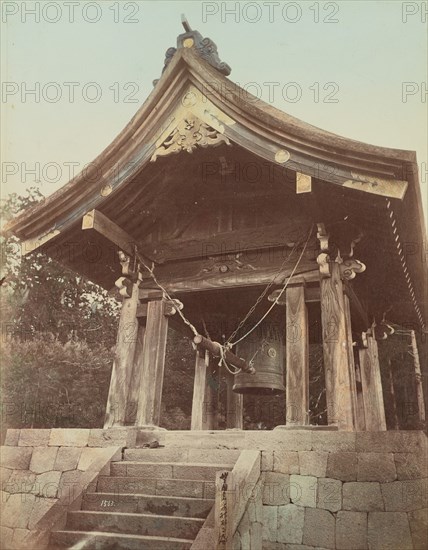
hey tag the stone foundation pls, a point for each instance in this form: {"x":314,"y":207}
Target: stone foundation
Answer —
{"x":350,"y":492}
{"x":44,"y":473}
{"x":317,"y":490}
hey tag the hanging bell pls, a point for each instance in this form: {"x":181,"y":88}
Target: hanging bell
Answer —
{"x":264,"y":349}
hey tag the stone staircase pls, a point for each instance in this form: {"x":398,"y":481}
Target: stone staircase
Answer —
{"x":153,"y":499}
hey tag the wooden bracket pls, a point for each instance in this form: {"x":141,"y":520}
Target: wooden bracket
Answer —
{"x":349,"y":268}
{"x":322,"y":236}
{"x":125,"y":286}
{"x":323,"y":259}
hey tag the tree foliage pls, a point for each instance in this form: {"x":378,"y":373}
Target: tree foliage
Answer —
{"x":58,"y":335}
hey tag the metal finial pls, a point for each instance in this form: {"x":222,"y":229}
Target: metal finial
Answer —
{"x":185,"y":23}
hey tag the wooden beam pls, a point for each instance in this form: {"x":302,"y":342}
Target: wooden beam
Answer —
{"x":121,"y":375}
{"x":303,"y":183}
{"x":152,"y":365}
{"x":297,"y":357}
{"x":336,"y":355}
{"x":385,"y":187}
{"x":215,"y":349}
{"x":211,"y":274}
{"x":374,"y":410}
{"x":284,"y":234}
{"x":100,"y":223}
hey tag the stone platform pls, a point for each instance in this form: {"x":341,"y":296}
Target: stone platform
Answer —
{"x":318,"y":490}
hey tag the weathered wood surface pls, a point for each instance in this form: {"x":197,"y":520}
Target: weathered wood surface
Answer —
{"x":234,"y":406}
{"x":351,"y":362}
{"x":374,"y":410}
{"x":210,"y":419}
{"x":231,"y":271}
{"x":152,"y":365}
{"x":361,"y":415}
{"x":97,"y":221}
{"x":358,"y":311}
{"x":303,"y":183}
{"x":297,"y":357}
{"x":335,"y":347}
{"x":200,"y":392}
{"x":205,"y":394}
{"x":121,"y":375}
{"x":134,"y":390}
{"x":418,"y":376}
{"x":285,"y":234}
{"x":312,"y":293}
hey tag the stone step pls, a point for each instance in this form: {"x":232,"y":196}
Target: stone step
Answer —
{"x":160,"y":487}
{"x":134,"y":524}
{"x":171,"y":470}
{"x":92,"y":540}
{"x":147,"y":504}
{"x":177,"y":454}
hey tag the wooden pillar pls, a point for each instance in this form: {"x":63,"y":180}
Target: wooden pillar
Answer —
{"x":351,"y":362}
{"x":199,"y":390}
{"x":395,"y":422}
{"x":374,"y":410}
{"x":151,"y":365}
{"x":418,"y":376}
{"x":234,"y":406}
{"x":134,"y":391}
{"x":211,"y":399}
{"x":204,"y":394}
{"x":297,"y":357}
{"x":336,"y":351}
{"x":121,"y":373}
{"x":361,"y":416}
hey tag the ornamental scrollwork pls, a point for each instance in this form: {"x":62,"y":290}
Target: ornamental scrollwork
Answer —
{"x":189,"y":134}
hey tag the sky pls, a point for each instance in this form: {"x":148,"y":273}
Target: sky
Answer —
{"x":74,"y":73}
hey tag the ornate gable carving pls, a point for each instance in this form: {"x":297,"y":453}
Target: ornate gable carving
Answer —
{"x":189,"y":133}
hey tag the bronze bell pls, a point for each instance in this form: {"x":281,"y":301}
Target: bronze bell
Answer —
{"x":263,"y":348}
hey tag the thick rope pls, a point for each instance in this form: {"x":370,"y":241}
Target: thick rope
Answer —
{"x":231,"y":344}
{"x":260,"y":298}
{"x":166,"y":293}
{"x":223,"y":360}
{"x":228,"y":344}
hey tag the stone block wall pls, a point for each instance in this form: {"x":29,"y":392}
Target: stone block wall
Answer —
{"x":44,"y":473}
{"x":355,"y":493}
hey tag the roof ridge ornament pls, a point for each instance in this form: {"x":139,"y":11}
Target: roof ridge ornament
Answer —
{"x":205,"y":47}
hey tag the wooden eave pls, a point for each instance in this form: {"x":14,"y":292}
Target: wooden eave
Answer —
{"x":255,"y":126}
{"x":256,"y":123}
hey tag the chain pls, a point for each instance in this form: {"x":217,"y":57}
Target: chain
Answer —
{"x":260,"y":298}
{"x":165,"y":292}
{"x":230,"y":344}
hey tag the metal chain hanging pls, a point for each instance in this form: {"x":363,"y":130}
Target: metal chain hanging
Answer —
{"x":229,"y":344}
